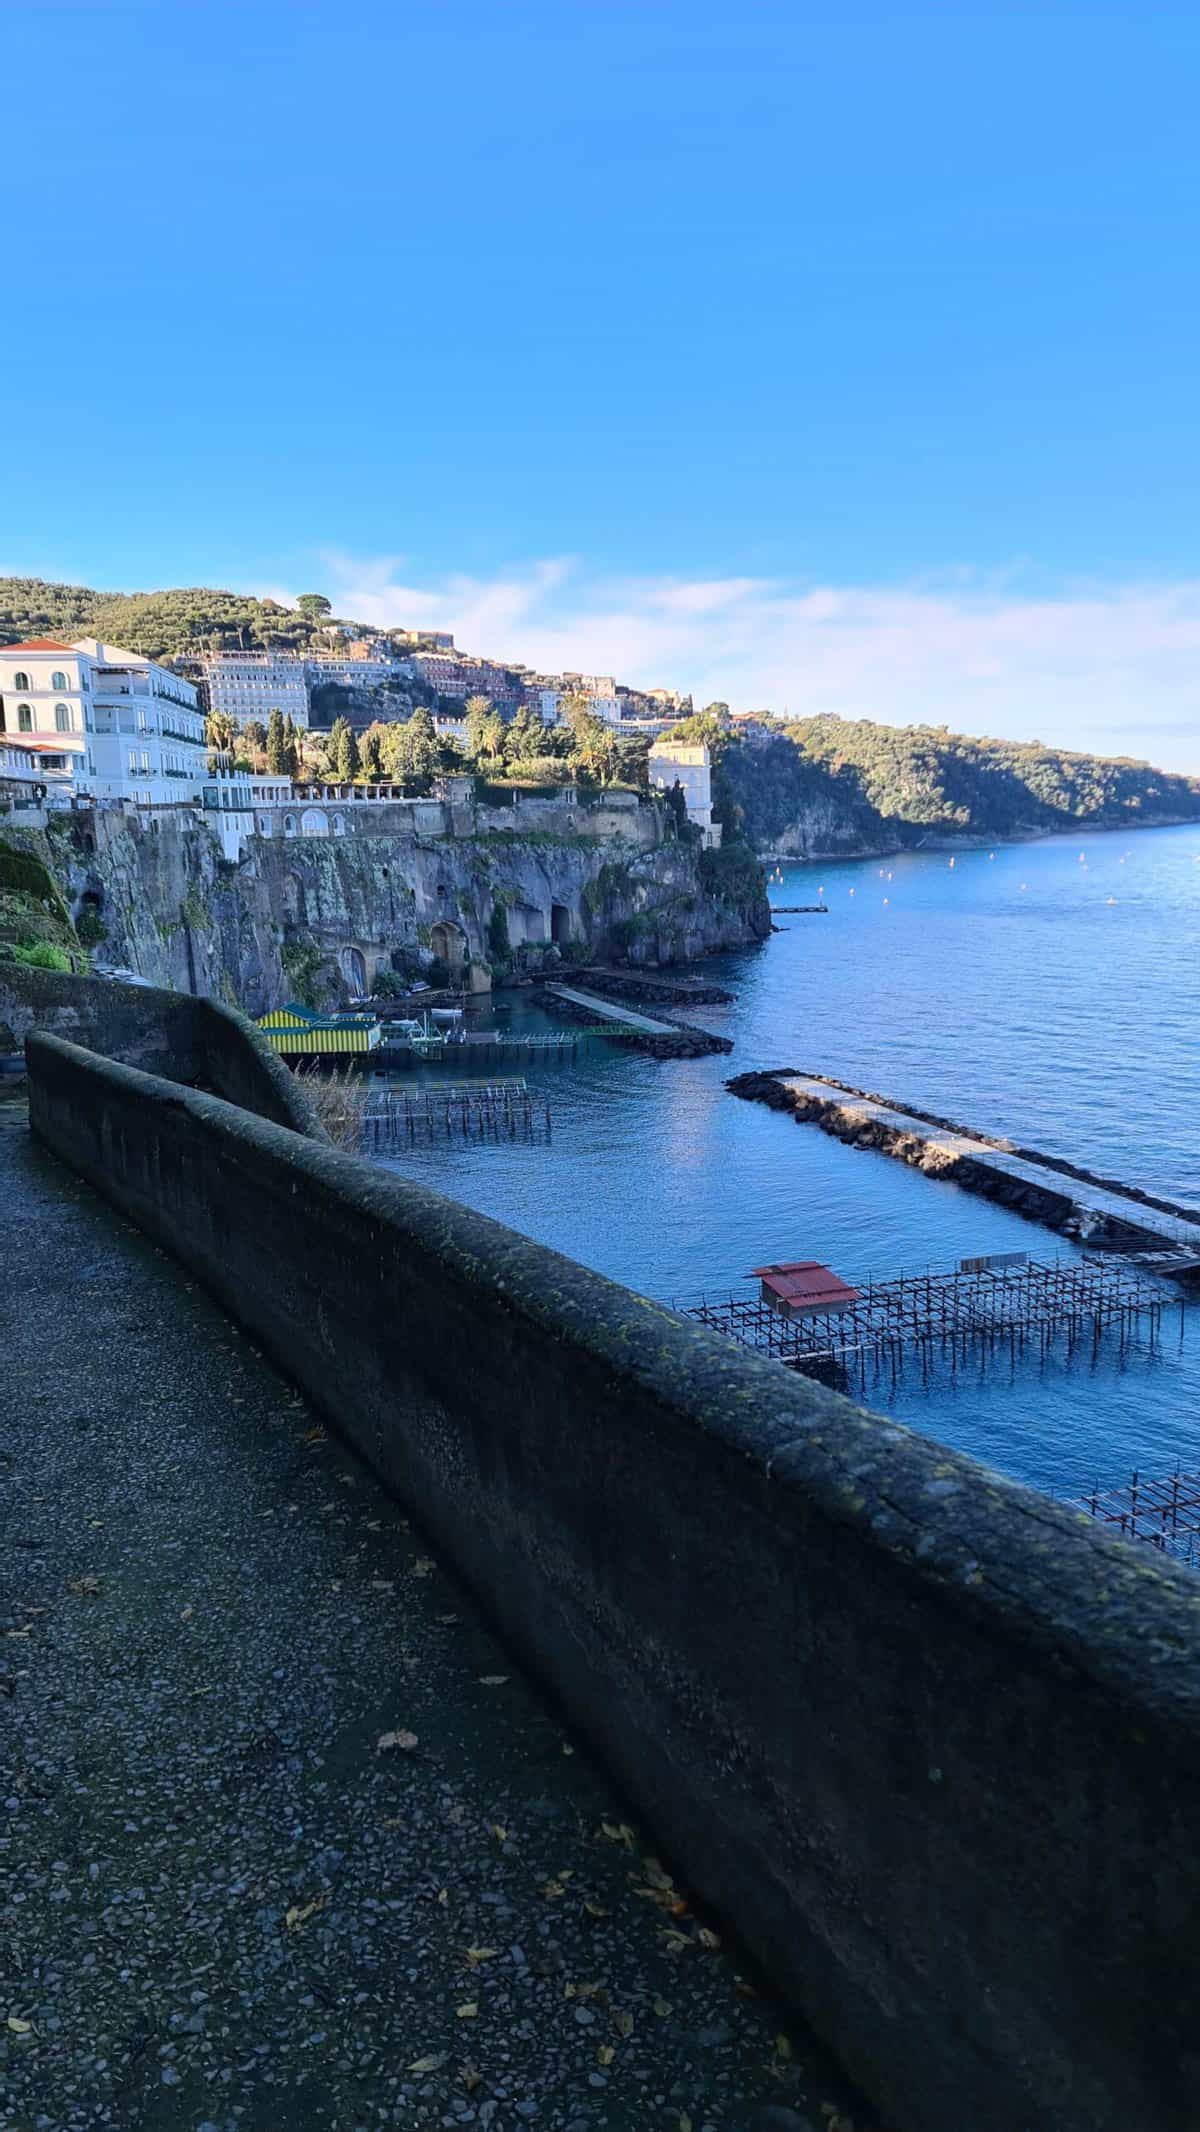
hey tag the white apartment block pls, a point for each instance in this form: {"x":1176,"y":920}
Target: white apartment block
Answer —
{"x":598,"y":690}
{"x":352,"y":672}
{"x":146,"y":737}
{"x":46,"y":708}
{"x":690,"y":766}
{"x":103,"y":723}
{"x":251,"y":684}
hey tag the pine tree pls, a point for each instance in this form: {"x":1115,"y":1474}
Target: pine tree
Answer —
{"x":347,"y":754}
{"x":423,"y":752}
{"x":276,"y":756}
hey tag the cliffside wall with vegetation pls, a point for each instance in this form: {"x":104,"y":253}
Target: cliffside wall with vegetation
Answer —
{"x":320,"y":917}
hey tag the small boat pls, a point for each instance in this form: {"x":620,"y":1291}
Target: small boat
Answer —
{"x":446,"y":1014}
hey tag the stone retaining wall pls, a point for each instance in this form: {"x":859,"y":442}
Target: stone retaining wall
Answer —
{"x":193,"y":1041}
{"x":928,"y":1741}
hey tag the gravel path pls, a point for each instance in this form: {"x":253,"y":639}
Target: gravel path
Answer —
{"x":286,"y":1840}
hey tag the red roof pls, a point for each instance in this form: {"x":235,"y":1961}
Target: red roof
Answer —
{"x":808,"y":1282}
{"x":36,"y":644}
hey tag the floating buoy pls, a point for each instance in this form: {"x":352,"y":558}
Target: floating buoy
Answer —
{"x":951,"y":862}
{"x":852,"y":891}
{"x":1112,"y":899}
{"x":885,"y":900}
{"x":1023,"y":885}
{"x":991,"y":854}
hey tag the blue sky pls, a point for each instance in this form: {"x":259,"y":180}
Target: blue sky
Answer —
{"x":836,"y":358}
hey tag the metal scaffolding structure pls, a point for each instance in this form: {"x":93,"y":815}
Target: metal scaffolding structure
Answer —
{"x":987,"y":1314}
{"x":1163,"y":1513}
{"x":480,"y":1111}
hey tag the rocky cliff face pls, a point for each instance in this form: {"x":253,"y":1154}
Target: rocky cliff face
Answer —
{"x":321,"y":917}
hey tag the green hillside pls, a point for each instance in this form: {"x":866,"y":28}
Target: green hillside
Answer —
{"x":160,"y":625}
{"x":860,"y":785}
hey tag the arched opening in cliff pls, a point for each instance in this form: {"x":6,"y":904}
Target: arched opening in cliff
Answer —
{"x":292,"y":890}
{"x":449,"y":943}
{"x":354,"y":970}
{"x":560,"y":924}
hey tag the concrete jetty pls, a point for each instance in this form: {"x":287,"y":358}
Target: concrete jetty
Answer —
{"x":1059,"y":1194}
{"x":605,"y":1011}
{"x":638,"y":1031}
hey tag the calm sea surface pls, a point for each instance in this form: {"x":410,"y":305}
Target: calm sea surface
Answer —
{"x":1049,"y":991}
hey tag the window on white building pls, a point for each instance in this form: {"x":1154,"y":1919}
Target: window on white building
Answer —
{"x":62,"y":718}
{"x":24,"y":713}
{"x":21,"y":681}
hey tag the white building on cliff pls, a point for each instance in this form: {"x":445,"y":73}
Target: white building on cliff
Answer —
{"x":103,"y":723}
{"x":251,"y":684}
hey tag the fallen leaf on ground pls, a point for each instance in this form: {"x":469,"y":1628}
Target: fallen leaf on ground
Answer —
{"x":187,"y":1613}
{"x":623,"y":2023}
{"x":707,"y":1938}
{"x":406,"y":1740}
{"x":429,"y":2064}
{"x":19,"y":2027}
{"x":469,"y":2011}
{"x":500,"y":1833}
{"x":618,"y":1832}
{"x":685,"y":2122}
{"x":475,"y":1955}
{"x":605,"y":2054}
{"x":301,"y":1912}
{"x":662,"y":2008}
{"x":783,"y":2047}
{"x":493,"y":1680}
{"x":470,"y":2076}
{"x":424,"y":1566}
{"x":85,"y":1587}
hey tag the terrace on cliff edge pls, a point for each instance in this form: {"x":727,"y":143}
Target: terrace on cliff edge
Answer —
{"x":442,"y":1687}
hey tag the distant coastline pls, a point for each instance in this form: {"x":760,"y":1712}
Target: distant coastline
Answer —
{"x":940,"y":840}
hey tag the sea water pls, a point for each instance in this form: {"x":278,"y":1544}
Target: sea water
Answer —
{"x":1049,"y":992}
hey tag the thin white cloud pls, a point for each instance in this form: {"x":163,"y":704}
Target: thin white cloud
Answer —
{"x":1112,"y":667}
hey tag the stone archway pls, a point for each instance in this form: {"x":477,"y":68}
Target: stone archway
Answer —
{"x":314,"y":822}
{"x":560,"y":924}
{"x":354,"y":970}
{"x":449,"y":943}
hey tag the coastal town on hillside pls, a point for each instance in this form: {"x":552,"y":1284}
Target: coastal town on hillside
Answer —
{"x":233,"y":737}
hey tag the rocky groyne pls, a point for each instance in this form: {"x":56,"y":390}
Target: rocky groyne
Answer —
{"x":961,"y":1157}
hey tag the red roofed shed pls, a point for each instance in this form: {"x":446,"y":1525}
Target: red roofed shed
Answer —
{"x":804,"y":1289}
